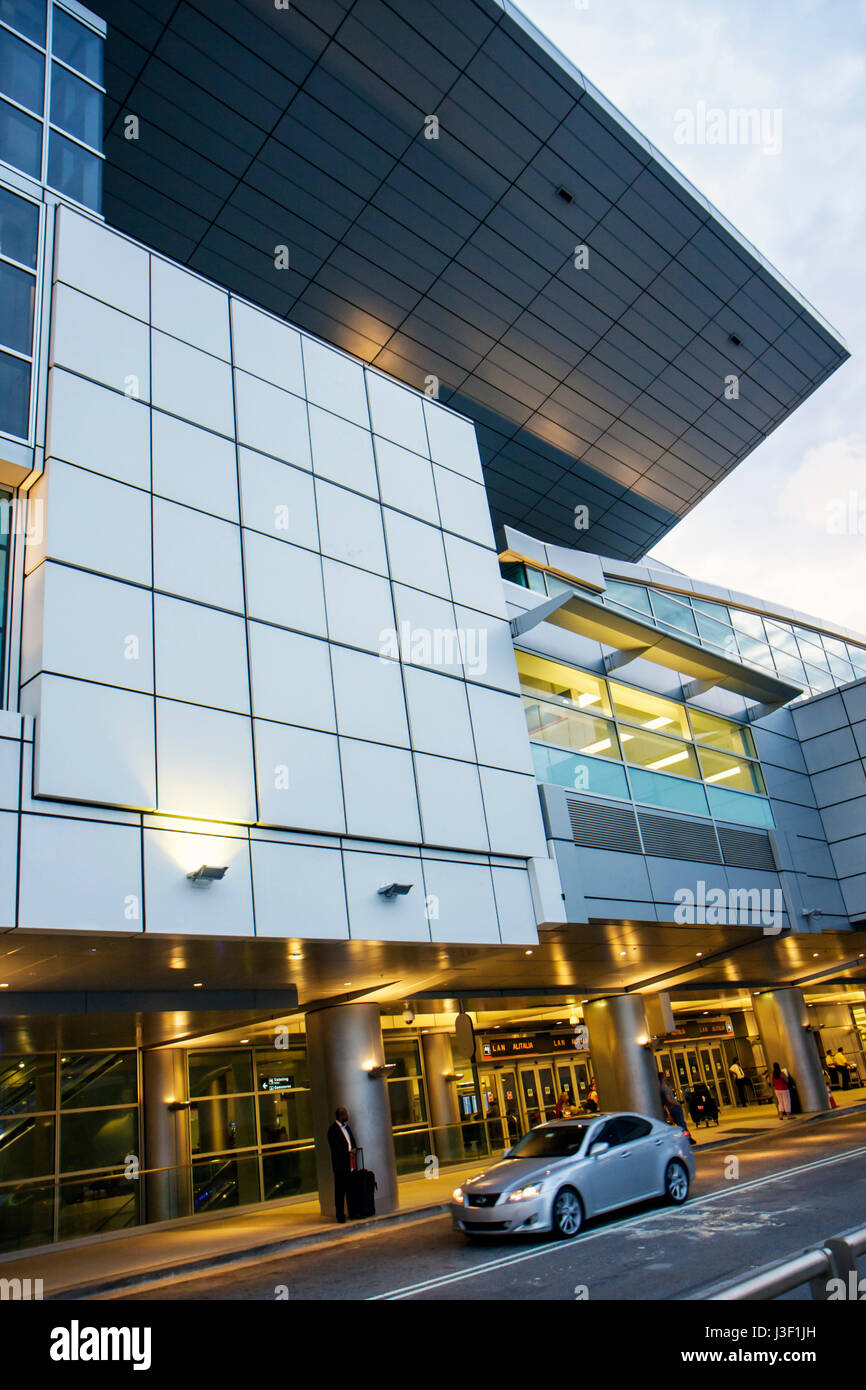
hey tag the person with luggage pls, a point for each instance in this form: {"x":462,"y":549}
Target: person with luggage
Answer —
{"x":739,"y":1079}
{"x":342,"y":1144}
{"x":783,"y":1093}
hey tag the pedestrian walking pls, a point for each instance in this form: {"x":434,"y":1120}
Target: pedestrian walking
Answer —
{"x":783,"y":1094}
{"x":343,"y":1148}
{"x":739,"y":1079}
{"x":671,"y":1104}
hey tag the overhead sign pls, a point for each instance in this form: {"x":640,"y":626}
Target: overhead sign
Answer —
{"x":703,"y":1028}
{"x":277,"y":1083}
{"x":538,"y":1044}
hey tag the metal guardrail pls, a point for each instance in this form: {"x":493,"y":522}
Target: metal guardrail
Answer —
{"x":819,"y":1266}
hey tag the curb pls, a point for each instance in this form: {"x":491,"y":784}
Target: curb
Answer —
{"x":160,"y":1274}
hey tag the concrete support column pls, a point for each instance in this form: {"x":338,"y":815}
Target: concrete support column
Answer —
{"x":783,"y":1023}
{"x":168,"y":1192}
{"x":343,"y":1043}
{"x":442,"y":1095}
{"x":622,"y":1063}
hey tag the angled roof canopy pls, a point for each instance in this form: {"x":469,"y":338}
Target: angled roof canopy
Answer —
{"x":454,"y":257}
{"x":631,"y":638}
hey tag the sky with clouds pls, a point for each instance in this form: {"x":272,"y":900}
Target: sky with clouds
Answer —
{"x":790,"y":522}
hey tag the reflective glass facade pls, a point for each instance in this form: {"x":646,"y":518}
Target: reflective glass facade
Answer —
{"x":19,"y":254}
{"x":672,"y":755}
{"x":800,"y":655}
{"x":51,"y":98}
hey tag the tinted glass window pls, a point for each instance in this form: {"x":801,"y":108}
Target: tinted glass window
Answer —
{"x":20,"y":140}
{"x":27,"y":16}
{"x":559,"y":1141}
{"x":73,"y":171}
{"x":19,"y":226}
{"x":17,"y":288}
{"x":14,"y":395}
{"x":98,"y":1078}
{"x":78,"y":46}
{"x":76,"y":106}
{"x":608,"y":1134}
{"x":632,"y":1127}
{"x":22,"y":72}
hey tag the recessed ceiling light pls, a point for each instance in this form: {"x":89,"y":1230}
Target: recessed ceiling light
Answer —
{"x":346,"y":984}
{"x":623,"y":953}
{"x":243,"y":1040}
{"x":4,"y":984}
{"x":527,"y":953}
{"x":815,"y":955}
{"x":699,"y":953}
{"x":197,"y":984}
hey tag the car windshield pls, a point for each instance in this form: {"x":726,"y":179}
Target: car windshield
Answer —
{"x":559,"y":1141}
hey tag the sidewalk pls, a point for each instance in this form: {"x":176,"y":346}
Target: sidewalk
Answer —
{"x":164,"y":1252}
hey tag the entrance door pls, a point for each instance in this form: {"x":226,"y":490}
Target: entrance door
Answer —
{"x":546,"y":1093}
{"x":722,"y":1076}
{"x":531,"y":1098}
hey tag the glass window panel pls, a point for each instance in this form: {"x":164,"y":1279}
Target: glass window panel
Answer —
{"x":654,"y":789}
{"x":14,"y":395}
{"x":26,"y":1084}
{"x":659,"y":754}
{"x":219,"y":1183}
{"x":515,"y":572}
{"x":77,"y":45}
{"x":842,"y":671}
{"x":834,"y":645}
{"x":97,"y":1139}
{"x":75,"y":172}
{"x":781,"y":637}
{"x":407,"y":1102}
{"x":736,"y":773}
{"x":76,"y":106}
{"x":750,"y":623}
{"x":758,"y":653}
{"x":818,"y":679}
{"x":650,"y":711}
{"x":288,"y":1172}
{"x":551,"y":678}
{"x":712,"y":610}
{"x":569,"y":729}
{"x":93,"y":1205}
{"x":26,"y":1147}
{"x":220,"y":1073}
{"x":738,"y":806}
{"x":721,"y":733}
{"x":280,"y":1069}
{"x":27,"y":16}
{"x":20,"y":140}
{"x":670,"y":611}
{"x":284,"y":1116}
{"x":711,"y":631}
{"x":98,"y":1078}
{"x":555,"y":585}
{"x":22,"y":72}
{"x":228,"y":1122}
{"x":790,"y":667}
{"x":19,"y":228}
{"x":26,"y":1215}
{"x":404,"y":1053}
{"x":579,"y":773}
{"x":17,"y":293}
{"x":629,"y":595}
{"x":857,"y":657}
{"x":814,"y":655}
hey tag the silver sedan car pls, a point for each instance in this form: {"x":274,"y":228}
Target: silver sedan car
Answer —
{"x":562,"y":1173}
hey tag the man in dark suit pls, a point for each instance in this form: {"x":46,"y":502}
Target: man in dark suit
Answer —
{"x":342,"y":1145}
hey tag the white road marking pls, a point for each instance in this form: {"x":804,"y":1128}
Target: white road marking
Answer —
{"x":442,"y":1280}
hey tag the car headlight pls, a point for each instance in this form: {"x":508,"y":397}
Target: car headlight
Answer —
{"x":457,"y":1194}
{"x":523,"y":1194}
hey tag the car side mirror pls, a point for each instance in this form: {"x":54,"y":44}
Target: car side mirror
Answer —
{"x":600,"y":1147}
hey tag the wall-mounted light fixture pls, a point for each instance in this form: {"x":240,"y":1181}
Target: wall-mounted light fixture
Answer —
{"x":179,"y":1104}
{"x":207,"y":874}
{"x":452,"y":1075}
{"x":375,"y":1073}
{"x":394,"y":890}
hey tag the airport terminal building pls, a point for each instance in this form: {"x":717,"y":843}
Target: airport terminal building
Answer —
{"x":353,"y":357}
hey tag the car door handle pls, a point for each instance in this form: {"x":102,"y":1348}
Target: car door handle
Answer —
{"x":659,"y":1143}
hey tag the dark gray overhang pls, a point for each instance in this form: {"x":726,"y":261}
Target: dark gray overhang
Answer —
{"x":304,"y":125}
{"x":631,"y":638}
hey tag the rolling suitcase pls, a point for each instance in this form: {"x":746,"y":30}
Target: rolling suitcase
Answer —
{"x":361,"y":1190}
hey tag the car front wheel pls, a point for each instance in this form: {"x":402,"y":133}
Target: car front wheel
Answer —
{"x":676,"y":1183}
{"x":567,"y":1214}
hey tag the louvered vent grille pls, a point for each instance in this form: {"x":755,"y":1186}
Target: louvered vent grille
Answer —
{"x":601,"y":825}
{"x":669,"y":837}
{"x":746,"y":849}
